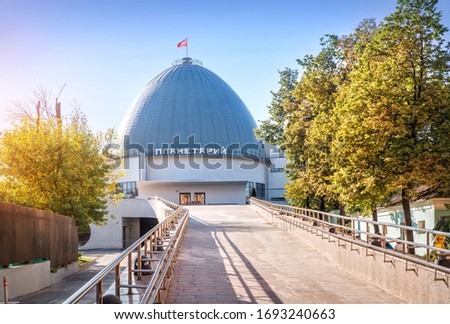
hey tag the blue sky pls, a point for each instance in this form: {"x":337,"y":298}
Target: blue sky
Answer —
{"x":106,"y":51}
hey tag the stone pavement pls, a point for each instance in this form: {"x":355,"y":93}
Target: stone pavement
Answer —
{"x":231,"y":255}
{"x":59,"y":292}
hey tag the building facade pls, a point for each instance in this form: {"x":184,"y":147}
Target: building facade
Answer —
{"x":188,"y":138}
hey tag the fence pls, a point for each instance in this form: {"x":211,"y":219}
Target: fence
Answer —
{"x":360,"y":231}
{"x":357,"y":247}
{"x":154,"y":255}
{"x":28,"y":234}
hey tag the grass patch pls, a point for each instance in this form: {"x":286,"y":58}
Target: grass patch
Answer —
{"x":83,"y":260}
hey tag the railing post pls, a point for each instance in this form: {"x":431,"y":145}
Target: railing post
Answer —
{"x":367,"y":233}
{"x":404,"y":238}
{"x":99,"y":293}
{"x":5,"y":290}
{"x":117,"y":287}
{"x":130,"y":272}
{"x":139,"y":261}
{"x":353,"y":229}
{"x":428,"y":247}
{"x":384,"y":243}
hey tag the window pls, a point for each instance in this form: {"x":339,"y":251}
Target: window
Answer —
{"x":128,"y":189}
{"x":257,"y":190}
{"x":421,"y":224}
{"x":276,"y":153}
{"x":250,"y":189}
{"x":260,"y":190}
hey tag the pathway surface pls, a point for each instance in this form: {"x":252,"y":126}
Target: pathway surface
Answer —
{"x":59,"y":292}
{"x":231,"y":255}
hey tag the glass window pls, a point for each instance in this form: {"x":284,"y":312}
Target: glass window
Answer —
{"x":129,"y":189}
{"x":250,"y":189}
{"x":277,"y":170}
{"x":260,"y":190}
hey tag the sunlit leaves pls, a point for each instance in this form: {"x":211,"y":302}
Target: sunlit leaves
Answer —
{"x":56,"y":165}
{"x":370,"y":115}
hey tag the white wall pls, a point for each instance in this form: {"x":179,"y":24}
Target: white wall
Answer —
{"x":28,"y":278}
{"x":161,"y":210}
{"x":131,"y":169}
{"x":198,"y":168}
{"x":171,"y":168}
{"x":215,"y":192}
{"x":276,"y":180}
{"x":109,"y":236}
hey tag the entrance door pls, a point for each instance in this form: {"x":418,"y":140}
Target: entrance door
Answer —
{"x":126,"y":236}
{"x":199,"y":198}
{"x":185,"y":198}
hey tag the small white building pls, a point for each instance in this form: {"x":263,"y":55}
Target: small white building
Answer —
{"x":424,"y":214}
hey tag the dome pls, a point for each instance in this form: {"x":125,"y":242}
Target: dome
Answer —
{"x":188,"y":106}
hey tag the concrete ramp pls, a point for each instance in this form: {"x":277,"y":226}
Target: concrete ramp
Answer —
{"x":232,"y":255}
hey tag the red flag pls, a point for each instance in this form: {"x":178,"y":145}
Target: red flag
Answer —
{"x":183,"y":43}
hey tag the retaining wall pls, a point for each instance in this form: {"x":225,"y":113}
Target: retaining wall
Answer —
{"x":28,"y":278}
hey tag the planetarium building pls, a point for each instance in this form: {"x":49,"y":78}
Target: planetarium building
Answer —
{"x":190,"y":139}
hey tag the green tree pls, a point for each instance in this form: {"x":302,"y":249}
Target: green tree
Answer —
{"x":272,"y":130}
{"x":311,"y":126}
{"x":399,"y":97}
{"x":57,"y":164}
{"x":308,"y":130}
{"x":359,"y":175}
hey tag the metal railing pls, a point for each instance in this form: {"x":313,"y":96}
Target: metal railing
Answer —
{"x":160,"y":245}
{"x":358,"y":231}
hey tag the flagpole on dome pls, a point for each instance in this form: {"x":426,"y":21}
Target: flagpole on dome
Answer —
{"x":184,"y":43}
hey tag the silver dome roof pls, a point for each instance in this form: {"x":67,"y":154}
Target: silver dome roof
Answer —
{"x":189,"y":106}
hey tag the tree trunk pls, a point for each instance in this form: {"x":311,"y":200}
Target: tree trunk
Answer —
{"x":408,"y":220}
{"x":376,"y":227}
{"x":322,"y":203}
{"x":307,"y":203}
{"x":342,"y":213}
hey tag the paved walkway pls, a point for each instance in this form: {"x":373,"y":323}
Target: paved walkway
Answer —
{"x":59,"y":292}
{"x":231,"y":255}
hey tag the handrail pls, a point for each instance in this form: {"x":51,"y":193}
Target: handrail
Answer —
{"x":173,"y":226}
{"x":314,"y":220}
{"x":426,"y":230}
{"x":151,"y":293}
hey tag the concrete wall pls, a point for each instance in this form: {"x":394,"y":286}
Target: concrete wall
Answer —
{"x":28,"y":278}
{"x":215,"y":192}
{"x":389,"y":273}
{"x":132,"y":169}
{"x":161,"y":210}
{"x":110,"y":235}
{"x":193,"y":168}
